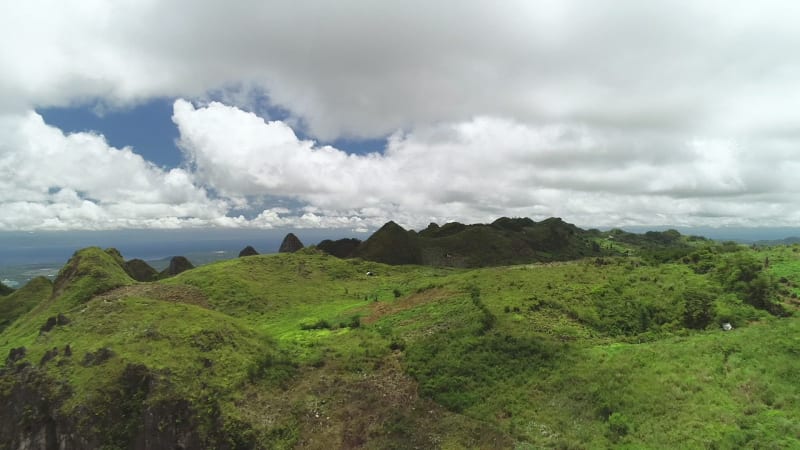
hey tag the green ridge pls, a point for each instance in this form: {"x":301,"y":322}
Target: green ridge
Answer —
{"x":620,"y":349}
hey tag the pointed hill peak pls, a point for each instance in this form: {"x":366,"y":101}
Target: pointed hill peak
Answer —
{"x":177,"y":265}
{"x":248,"y":251}
{"x":390,"y":226}
{"x":290,"y":244}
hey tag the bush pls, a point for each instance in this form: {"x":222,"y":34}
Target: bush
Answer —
{"x":619,"y":424}
{"x":315,"y":325}
{"x":743,"y":274}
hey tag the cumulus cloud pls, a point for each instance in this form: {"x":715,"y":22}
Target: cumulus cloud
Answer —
{"x":486,"y":167}
{"x":49,"y":180}
{"x":606,"y":112}
{"x":367,"y":69}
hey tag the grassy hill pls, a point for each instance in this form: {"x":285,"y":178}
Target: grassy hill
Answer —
{"x":19,"y":302}
{"x":505,"y":241}
{"x":306,"y":350}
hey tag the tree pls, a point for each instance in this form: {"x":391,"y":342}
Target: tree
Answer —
{"x":743,"y":274}
{"x":698,"y":310}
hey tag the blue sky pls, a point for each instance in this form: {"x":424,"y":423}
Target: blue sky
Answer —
{"x":148,"y":128}
{"x":613,"y":113}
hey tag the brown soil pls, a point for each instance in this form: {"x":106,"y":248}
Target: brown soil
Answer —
{"x":176,"y":294}
{"x":381,"y":309}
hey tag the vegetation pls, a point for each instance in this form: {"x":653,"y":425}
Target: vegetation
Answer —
{"x":23,"y":300}
{"x":619,"y":346}
{"x":5,"y":290}
{"x":505,"y":241}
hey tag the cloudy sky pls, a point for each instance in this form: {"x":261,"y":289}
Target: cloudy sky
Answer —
{"x":120,"y":114}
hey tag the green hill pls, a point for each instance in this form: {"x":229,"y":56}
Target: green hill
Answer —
{"x":505,"y":241}
{"x":5,"y":290}
{"x":306,"y":350}
{"x":23,"y":300}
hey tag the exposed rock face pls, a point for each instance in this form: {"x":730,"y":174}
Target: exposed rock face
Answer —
{"x":250,"y":251}
{"x":140,"y":270}
{"x":31,"y":416}
{"x":290,"y":244}
{"x":177,"y":265}
{"x":52,"y":322}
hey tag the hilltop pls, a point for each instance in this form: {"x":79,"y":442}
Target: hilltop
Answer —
{"x":615,"y":340}
{"x":505,"y":241}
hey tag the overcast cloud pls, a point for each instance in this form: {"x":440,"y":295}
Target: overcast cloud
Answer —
{"x":604,"y":113}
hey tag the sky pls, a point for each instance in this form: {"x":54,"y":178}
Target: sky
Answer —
{"x":140,"y":114}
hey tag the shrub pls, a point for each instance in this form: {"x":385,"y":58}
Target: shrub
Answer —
{"x":743,"y":274}
{"x":619,"y":424}
{"x":315,"y":325}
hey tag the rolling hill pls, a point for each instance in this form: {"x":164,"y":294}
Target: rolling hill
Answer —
{"x":613,"y":341}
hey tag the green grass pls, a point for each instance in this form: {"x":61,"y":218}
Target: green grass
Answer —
{"x":23,"y":300}
{"x":277,"y":351}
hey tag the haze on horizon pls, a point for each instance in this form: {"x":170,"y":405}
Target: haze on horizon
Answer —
{"x":607,"y":113}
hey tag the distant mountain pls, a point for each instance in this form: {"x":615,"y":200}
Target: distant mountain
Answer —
{"x":248,"y":251}
{"x":177,"y":265}
{"x":505,"y":241}
{"x":391,"y":244}
{"x":785,"y":241}
{"x":341,"y":248}
{"x":140,"y":270}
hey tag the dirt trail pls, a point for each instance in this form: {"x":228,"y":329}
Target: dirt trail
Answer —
{"x":168,"y":293}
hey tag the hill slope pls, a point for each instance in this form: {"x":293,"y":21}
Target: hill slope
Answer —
{"x":23,"y":300}
{"x":305,"y":350}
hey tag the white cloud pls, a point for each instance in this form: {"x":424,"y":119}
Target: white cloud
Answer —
{"x":606,"y":112}
{"x":49,"y":180}
{"x":486,"y":167}
{"x":367,"y":69}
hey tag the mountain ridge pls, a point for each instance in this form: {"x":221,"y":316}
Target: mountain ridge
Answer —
{"x":304,"y":349}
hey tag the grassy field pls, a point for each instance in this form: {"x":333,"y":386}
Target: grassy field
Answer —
{"x":306,"y":350}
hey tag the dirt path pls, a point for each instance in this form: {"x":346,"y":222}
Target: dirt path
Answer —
{"x":167,"y":293}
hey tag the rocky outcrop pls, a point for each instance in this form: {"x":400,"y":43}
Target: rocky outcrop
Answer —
{"x":128,"y":415}
{"x":177,"y":265}
{"x":53,"y":322}
{"x":248,"y":251}
{"x":290,"y":244}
